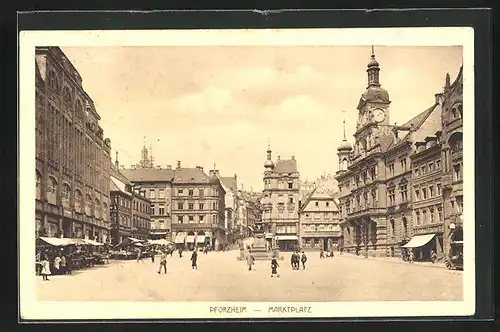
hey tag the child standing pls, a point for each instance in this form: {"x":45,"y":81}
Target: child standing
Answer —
{"x":45,"y":268}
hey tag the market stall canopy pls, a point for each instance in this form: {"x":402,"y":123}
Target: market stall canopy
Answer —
{"x":418,"y":241}
{"x":92,"y":242}
{"x":190,"y":239}
{"x":137,"y":244}
{"x":60,"y":242}
{"x":162,"y":242}
{"x":200,"y":239}
{"x":133,"y":239}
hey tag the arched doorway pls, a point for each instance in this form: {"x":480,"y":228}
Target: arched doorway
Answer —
{"x":190,"y":240}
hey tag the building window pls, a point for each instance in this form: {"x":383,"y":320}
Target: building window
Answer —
{"x":67,"y":95}
{"x":191,"y":219}
{"x":457,"y":172}
{"x":290,"y":185}
{"x":440,"y":214}
{"x":180,"y":192}
{"x":424,"y":217}
{"x":65,"y":195}
{"x":162,"y":193}
{"x":180,"y":206}
{"x":404,"y":193}
{"x":53,"y":80}
{"x":403,"y":165}
{"x":327,"y":204}
{"x":162,"y":209}
{"x":190,"y":206}
{"x":88,"y":204}
{"x":391,"y":170}
{"x":52,"y":191}
{"x":190,"y":192}
{"x":431,"y":191}
{"x":460,"y":203}
{"x":417,"y":194}
{"x":38,"y":186}
{"x":316,"y":203}
{"x":431,"y":167}
{"x":78,"y":201}
{"x":180,"y":219}
{"x":202,"y":218}
{"x":290,"y":200}
{"x":438,"y":187}
{"x":392,"y":197}
{"x":214,"y":206}
{"x":393,"y":228}
{"x":417,"y":172}
{"x":422,"y":170}
{"x":417,"y":217}
{"x":424,"y":193}
{"x":201,"y":206}
{"x":151,"y":193}
{"x":438,"y":164}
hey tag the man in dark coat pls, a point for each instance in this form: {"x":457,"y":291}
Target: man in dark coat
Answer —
{"x":274,"y":267}
{"x":194,"y":258}
{"x":304,"y":260}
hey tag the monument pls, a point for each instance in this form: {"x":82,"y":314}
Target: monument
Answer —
{"x":260,"y":248}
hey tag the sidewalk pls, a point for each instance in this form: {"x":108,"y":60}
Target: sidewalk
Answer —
{"x":395,"y":260}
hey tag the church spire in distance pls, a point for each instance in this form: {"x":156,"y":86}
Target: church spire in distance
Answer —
{"x":373,"y":70}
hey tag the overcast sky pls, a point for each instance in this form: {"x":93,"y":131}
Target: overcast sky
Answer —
{"x":221,"y":104}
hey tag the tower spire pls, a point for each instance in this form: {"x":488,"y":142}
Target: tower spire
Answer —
{"x":373,"y":70}
{"x":373,"y":52}
{"x":344,"y":130}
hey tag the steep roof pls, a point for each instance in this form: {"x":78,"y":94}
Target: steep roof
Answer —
{"x":286,"y":166}
{"x":318,"y":193}
{"x":194,"y":176}
{"x":229,"y":182}
{"x":119,"y":175}
{"x":149,"y":174}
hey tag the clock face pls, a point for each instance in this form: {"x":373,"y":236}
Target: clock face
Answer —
{"x":378,"y":115}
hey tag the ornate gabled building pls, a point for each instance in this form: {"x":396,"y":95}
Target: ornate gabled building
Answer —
{"x":280,"y":202}
{"x":390,"y":183}
{"x":319,"y":221}
{"x":451,"y":140}
{"x":72,"y":157}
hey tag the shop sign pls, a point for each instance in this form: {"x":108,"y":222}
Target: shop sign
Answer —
{"x":428,"y":230}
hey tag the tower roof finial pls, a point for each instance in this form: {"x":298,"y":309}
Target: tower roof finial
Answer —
{"x":344,"y":129}
{"x":373,"y":52}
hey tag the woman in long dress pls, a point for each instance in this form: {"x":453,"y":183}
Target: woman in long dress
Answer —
{"x":45,"y":268}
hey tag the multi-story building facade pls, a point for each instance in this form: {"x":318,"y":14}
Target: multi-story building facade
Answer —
{"x":230,"y":185}
{"x":187,"y":205}
{"x":451,"y":139}
{"x":72,"y":157}
{"x":121,"y":193}
{"x":155,"y":184}
{"x":280,"y":204}
{"x":198,"y":208}
{"x":248,"y":212}
{"x":319,"y":221}
{"x":427,"y":197}
{"x":141,"y":219}
{"x":381,"y":201}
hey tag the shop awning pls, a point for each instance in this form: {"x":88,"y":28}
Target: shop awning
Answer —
{"x":287,"y":237}
{"x":190,"y":239}
{"x":419,"y":240}
{"x":200,"y":239}
{"x":179,"y":238}
{"x":163,"y":242}
{"x":59,"y":242}
{"x":92,"y":242}
{"x":133,"y":239}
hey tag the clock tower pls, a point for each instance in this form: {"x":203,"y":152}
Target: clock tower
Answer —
{"x":373,"y":110}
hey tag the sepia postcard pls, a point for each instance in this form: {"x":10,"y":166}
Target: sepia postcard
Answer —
{"x":265,"y":173}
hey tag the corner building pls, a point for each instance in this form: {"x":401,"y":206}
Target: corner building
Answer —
{"x":72,"y":157}
{"x":280,"y":202}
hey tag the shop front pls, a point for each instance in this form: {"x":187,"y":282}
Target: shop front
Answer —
{"x":424,"y":245}
{"x":190,"y":240}
{"x":180,"y":240}
{"x":287,"y":242}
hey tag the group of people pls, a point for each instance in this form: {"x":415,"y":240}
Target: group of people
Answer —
{"x":323,"y":254}
{"x":163,"y":260}
{"x":60,"y":265}
{"x":296,"y":259}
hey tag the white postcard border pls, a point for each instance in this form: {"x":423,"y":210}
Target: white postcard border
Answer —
{"x":30,"y":308}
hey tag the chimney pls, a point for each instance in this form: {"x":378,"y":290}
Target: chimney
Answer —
{"x":117,"y":164}
{"x":178,"y":164}
{"x":169,"y":167}
{"x":235,"y":177}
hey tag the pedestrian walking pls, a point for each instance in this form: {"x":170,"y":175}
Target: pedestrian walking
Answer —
{"x":321,"y":254}
{"x":163,"y":262}
{"x":63,"y":264}
{"x":194,"y":258}
{"x":250,"y":261}
{"x":152,"y":253}
{"x":171,"y":251}
{"x":139,"y":255}
{"x":331,"y":253}
{"x":57,"y":264}
{"x":303,"y":259}
{"x":410,"y":257}
{"x":433,"y":256}
{"x":45,"y":268}
{"x":180,"y":252}
{"x":274,"y":267}
{"x":292,"y":260}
